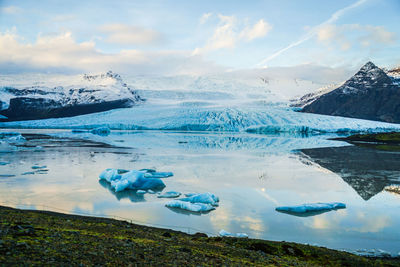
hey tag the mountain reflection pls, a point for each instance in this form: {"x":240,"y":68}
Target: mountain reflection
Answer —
{"x":365,"y":169}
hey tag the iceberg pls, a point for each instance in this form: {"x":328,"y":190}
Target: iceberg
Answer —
{"x":12,"y":137}
{"x":311,"y":208}
{"x":228,"y":234}
{"x":38,"y":167}
{"x":120,"y":179}
{"x":194,"y":207}
{"x":170,"y":194}
{"x":205,"y":198}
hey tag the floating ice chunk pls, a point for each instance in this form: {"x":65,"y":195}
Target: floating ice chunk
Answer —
{"x":158,"y":174}
{"x":123,"y":179}
{"x":141,"y":192}
{"x":150,"y":191}
{"x":112,"y":174}
{"x":373,"y":253}
{"x":313,"y":207}
{"x":103,"y":131}
{"x":2,"y":163}
{"x":195,"y":207}
{"x":12,"y":137}
{"x":190,"y":194}
{"x":206,"y":198}
{"x":26,"y":173}
{"x":225,"y":233}
{"x":35,"y":167}
{"x":6,"y":175}
{"x":170,"y":194}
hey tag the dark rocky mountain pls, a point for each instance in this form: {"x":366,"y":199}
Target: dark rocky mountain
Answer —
{"x":367,"y":170}
{"x":95,"y":93}
{"x":370,"y":94}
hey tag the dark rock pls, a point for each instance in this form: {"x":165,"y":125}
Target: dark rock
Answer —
{"x":370,"y":94}
{"x":291,"y":250}
{"x":197,"y":235}
{"x":263,"y":247}
{"x":25,"y":108}
{"x":166,"y":234}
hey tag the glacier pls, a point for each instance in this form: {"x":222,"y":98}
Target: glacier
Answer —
{"x":216,"y":104}
{"x":251,"y":118}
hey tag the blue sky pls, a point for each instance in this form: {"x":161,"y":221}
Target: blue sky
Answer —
{"x":193,"y":37}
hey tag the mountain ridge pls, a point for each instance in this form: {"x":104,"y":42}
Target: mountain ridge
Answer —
{"x":369,"y":94}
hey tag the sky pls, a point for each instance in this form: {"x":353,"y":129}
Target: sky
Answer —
{"x":165,"y":37}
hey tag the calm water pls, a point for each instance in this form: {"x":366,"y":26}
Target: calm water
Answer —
{"x":252,"y":174}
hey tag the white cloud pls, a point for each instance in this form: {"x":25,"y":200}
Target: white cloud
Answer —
{"x":130,"y":35}
{"x":230,"y":31}
{"x":260,"y":29}
{"x":63,"y":54}
{"x":10,"y":10}
{"x":347,"y":35}
{"x":312,"y":31}
{"x":204,"y":18}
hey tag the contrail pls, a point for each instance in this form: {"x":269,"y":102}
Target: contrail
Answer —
{"x":312,"y":32}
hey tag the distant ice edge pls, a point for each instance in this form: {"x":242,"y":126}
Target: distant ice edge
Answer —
{"x":262,"y":120}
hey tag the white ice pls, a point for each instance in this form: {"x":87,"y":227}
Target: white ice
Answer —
{"x":138,"y":180}
{"x":205,"y":198}
{"x":169,"y":194}
{"x":194,"y":207}
{"x":313,"y":207}
{"x":228,"y":234}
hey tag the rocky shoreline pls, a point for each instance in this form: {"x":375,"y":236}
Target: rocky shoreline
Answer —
{"x":29,"y":237}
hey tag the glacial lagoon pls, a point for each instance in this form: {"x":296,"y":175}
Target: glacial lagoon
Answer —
{"x":252,"y":174}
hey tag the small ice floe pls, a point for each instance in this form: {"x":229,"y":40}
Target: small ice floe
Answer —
{"x":206,"y":198}
{"x":36,"y":167}
{"x":373,"y":253}
{"x":169,"y":194}
{"x":12,"y":137}
{"x":196,"y":203}
{"x":311,"y":209}
{"x":141,"y":192}
{"x":195,"y":207}
{"x":137,"y":180}
{"x":2,"y":163}
{"x":150,"y":191}
{"x":27,"y":173}
{"x":103,"y":131}
{"x":393,"y":188}
{"x":6,"y":175}
{"x":228,"y":234}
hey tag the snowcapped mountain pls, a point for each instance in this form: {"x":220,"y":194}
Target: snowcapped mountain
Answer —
{"x":252,"y":102}
{"x":370,"y":94}
{"x":65,"y":96}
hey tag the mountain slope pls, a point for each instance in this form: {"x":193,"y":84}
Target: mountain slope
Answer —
{"x":370,"y":94}
{"x":89,"y":94}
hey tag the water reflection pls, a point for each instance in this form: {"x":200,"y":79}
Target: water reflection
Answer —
{"x":129,"y":194}
{"x":365,"y":169}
